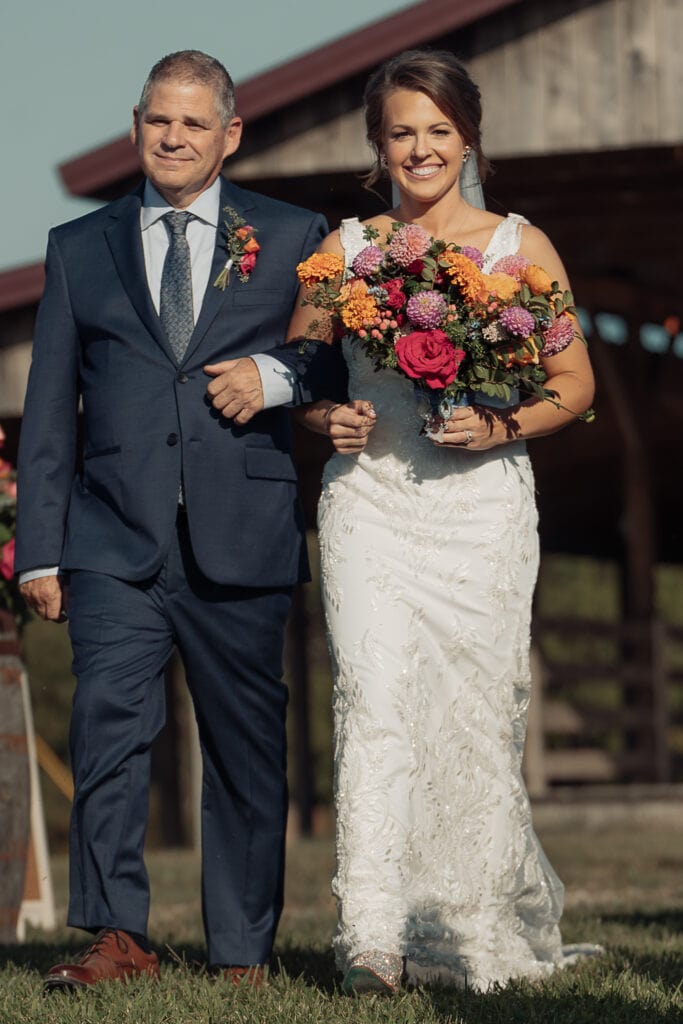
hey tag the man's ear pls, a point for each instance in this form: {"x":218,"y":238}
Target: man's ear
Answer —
{"x":233,"y":136}
{"x":134,"y":127}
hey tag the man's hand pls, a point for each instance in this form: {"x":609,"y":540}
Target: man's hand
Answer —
{"x":48,"y":596}
{"x":236,"y":389}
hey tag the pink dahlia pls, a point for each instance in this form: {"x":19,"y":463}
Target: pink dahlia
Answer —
{"x":409,"y":243}
{"x":512,"y":265}
{"x":368,"y":261}
{"x":426,"y":309}
{"x":559,"y":336}
{"x":473,"y":254}
{"x":517,"y":321}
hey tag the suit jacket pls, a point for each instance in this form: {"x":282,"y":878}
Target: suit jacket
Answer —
{"x":146,"y":420}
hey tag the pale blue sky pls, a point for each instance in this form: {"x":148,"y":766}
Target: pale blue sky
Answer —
{"x":71,"y":71}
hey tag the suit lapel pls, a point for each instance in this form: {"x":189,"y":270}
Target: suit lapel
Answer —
{"x":216,"y":298}
{"x":125,"y":242}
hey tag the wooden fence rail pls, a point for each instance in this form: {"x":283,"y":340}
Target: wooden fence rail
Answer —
{"x":607,"y":703}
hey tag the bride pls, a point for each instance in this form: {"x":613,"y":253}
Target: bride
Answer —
{"x":429,"y":560}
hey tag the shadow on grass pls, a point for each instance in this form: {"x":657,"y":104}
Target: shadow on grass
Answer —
{"x":665,"y":920}
{"x":513,"y":1007}
{"x":316,"y":968}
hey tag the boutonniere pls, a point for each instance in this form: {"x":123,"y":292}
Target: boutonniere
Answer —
{"x":241,"y":247}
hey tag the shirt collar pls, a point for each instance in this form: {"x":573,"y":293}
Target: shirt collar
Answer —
{"x":206,"y":206}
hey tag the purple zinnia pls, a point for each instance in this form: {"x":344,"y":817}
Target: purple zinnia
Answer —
{"x":426,"y":309}
{"x":473,"y":254}
{"x":517,"y":321}
{"x":409,"y":243}
{"x":368,"y":261}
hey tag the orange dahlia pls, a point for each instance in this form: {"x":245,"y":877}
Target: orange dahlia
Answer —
{"x":462,"y":272}
{"x":321,"y":266}
{"x":538,"y":280}
{"x":501,"y":285}
{"x":357,"y":307}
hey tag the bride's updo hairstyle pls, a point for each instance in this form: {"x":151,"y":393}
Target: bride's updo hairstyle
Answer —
{"x":439,"y":75}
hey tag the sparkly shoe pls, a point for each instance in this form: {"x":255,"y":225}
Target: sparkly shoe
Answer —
{"x":373,"y":971}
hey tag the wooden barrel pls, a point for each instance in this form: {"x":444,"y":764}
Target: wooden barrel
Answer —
{"x":14,"y":783}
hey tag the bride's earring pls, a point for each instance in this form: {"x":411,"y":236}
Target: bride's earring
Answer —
{"x":466,"y":153}
{"x":383,"y":161}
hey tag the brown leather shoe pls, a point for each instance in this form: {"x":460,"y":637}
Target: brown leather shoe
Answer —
{"x":113,"y":955}
{"x":253,"y":976}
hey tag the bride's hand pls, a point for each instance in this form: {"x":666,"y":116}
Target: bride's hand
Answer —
{"x":348,"y":425}
{"x":476,"y":428}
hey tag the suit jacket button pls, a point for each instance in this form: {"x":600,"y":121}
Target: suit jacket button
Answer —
{"x":182,"y":378}
{"x":171,"y":440}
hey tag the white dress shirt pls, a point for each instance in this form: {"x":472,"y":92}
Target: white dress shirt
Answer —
{"x":276,"y":381}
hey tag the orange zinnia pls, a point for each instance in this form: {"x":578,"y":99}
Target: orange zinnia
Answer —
{"x":357,"y":307}
{"x":321,"y":266}
{"x":463,"y":273}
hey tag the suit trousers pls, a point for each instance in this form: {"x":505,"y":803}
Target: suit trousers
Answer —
{"x":230,"y":640}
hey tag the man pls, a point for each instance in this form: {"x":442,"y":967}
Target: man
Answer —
{"x":181,"y":526}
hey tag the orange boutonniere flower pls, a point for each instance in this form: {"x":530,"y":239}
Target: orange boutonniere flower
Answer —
{"x":241,"y":247}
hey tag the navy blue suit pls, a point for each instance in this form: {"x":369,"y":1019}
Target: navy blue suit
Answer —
{"x":215,"y":579}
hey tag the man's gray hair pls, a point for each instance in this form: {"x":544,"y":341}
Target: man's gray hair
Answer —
{"x":190,"y":67}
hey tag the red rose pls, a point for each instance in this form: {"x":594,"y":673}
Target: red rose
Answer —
{"x":429,"y":356}
{"x":7,"y":560}
{"x":395,"y":297}
{"x":416,"y":267}
{"x":247,"y":263}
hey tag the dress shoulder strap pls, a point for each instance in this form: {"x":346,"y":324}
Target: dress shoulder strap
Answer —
{"x":505,"y":240}
{"x":352,"y":240}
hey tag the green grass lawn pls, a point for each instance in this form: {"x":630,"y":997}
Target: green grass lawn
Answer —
{"x":624,"y":890}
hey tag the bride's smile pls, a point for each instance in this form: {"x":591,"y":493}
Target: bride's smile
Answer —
{"x":423,"y":148}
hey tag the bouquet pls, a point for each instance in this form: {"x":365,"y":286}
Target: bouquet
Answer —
{"x":425,"y":308}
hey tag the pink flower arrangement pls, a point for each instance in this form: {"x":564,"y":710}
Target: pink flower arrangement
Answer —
{"x":7,"y":560}
{"x":10,"y":598}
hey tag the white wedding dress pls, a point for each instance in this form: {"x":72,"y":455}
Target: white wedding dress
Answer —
{"x":429,"y":560}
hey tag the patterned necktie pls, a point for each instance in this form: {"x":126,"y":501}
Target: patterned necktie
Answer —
{"x":175,"y":304}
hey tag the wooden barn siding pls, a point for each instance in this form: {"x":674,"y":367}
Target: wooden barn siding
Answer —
{"x":605,"y":76}
{"x":556,"y":76}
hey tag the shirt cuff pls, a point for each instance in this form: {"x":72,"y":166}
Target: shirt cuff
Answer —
{"x":36,"y":574}
{"x":277,"y":381}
